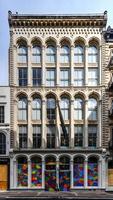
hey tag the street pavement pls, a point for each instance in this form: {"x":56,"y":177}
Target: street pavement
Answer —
{"x":36,"y":195}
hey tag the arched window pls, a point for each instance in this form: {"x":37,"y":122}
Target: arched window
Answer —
{"x":78,"y":54}
{"x":78,"y":109}
{"x":36,"y":54}
{"x":92,"y":109}
{"x":51,"y":108}
{"x":22,"y":172}
{"x":22,"y":108}
{"x":92,"y":171}
{"x":36,"y":172}
{"x":92,"y":54}
{"x":50,"y":173}
{"x":64,"y":173}
{"x":22,"y":54}
{"x":64,"y":105}
{"x":78,"y":171}
{"x":50,"y":54}
{"x":36,"y":109}
{"x":2,"y":143}
{"x":65,"y":54}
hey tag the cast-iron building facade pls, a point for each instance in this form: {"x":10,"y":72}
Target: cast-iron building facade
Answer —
{"x":59,"y":131}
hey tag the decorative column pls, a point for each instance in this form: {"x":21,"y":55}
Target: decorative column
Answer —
{"x":29,"y":173}
{"x":15,"y":69}
{"x":86,"y":173}
{"x":12,"y":172}
{"x":86,"y":125}
{"x":86,"y":65}
{"x":71,"y":170}
{"x":29,"y":67}
{"x":72,"y":124}
{"x":43,"y":124}
{"x":99,"y":173}
{"x":15,"y":172}
{"x":57,"y":126}
{"x":16,"y":128}
{"x":57,"y":172}
{"x":104,"y":168}
{"x":29,"y":125}
{"x":72,"y":69}
{"x":99,"y":137}
{"x":43,"y":173}
{"x":58,"y":65}
{"x":100,"y":65}
{"x":43,"y":65}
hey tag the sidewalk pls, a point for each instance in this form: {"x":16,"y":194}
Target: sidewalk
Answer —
{"x":55,"y":195}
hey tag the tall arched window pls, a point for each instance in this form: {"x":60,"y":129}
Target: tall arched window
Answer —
{"x":78,"y":109}
{"x":36,"y":108}
{"x":51,"y":108}
{"x":92,"y":109}
{"x":78,"y":171}
{"x":64,"y":173}
{"x":50,"y":54}
{"x":92,"y":54}
{"x":36,"y":172}
{"x":64,"y":105}
{"x":65,"y":54}
{"x":50,"y":173}
{"x":22,"y":54}
{"x":2,"y":143}
{"x":36,"y":54}
{"x":78,"y":54}
{"x":22,"y":108}
{"x":92,"y":171}
{"x":22,"y":172}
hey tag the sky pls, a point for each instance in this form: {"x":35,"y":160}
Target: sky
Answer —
{"x":43,"y":7}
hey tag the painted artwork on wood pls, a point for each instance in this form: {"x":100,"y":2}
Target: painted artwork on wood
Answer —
{"x":92,"y":174}
{"x":64,"y":181}
{"x":36,"y":177}
{"x":22,"y":175}
{"x":79,"y":175}
{"x":50,"y":181}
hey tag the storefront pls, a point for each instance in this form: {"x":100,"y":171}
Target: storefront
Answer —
{"x":51,"y":173}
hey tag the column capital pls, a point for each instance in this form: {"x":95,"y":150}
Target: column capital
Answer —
{"x":58,"y":45}
{"x":43,"y":101}
{"x":29,"y":46}
{"x":15,"y":46}
{"x":86,"y":46}
{"x":43,"y":47}
{"x":72,"y":101}
{"x":72,"y":46}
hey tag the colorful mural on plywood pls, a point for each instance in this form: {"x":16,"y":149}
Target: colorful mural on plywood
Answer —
{"x":50,"y":181}
{"x":79,"y":174}
{"x":92,"y":174}
{"x":64,"y":181}
{"x":22,"y":175}
{"x":36,"y":178}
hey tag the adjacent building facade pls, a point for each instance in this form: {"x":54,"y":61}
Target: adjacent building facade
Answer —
{"x":108,"y":35}
{"x":59,"y":102}
{"x":4,"y":137}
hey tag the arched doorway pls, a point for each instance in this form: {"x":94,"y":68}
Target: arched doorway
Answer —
{"x":110,"y":173}
{"x":78,"y":172}
{"x":50,"y":173}
{"x":64,"y":173}
{"x":36,"y":172}
{"x":93,"y":171}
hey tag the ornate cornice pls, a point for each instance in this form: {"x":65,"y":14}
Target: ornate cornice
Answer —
{"x":92,"y":20}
